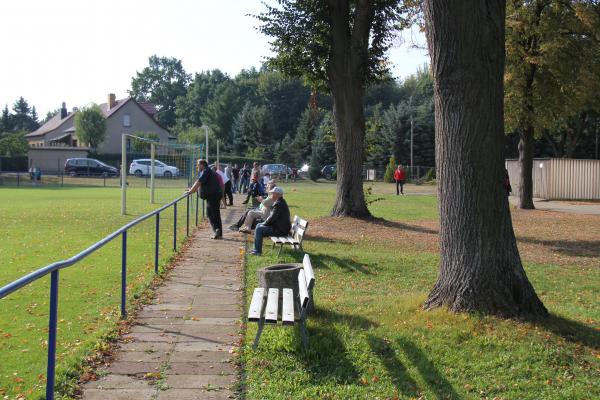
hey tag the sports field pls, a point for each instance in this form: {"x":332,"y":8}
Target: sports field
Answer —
{"x":370,"y":338}
{"x":40,"y":225}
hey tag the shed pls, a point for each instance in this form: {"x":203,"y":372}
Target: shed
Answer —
{"x":560,"y":178}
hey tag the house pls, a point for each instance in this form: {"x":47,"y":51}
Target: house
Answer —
{"x":122,"y":116}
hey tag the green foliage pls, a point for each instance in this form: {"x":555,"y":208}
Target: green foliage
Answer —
{"x":389,"y":170}
{"x":161,"y":82}
{"x":13,"y":144}
{"x":283,"y":151}
{"x":253,"y":127}
{"x":255,"y":153}
{"x":301,"y":146}
{"x":553,"y":70}
{"x":221,"y":110}
{"x":429,"y":175}
{"x":90,"y":126}
{"x":301,"y":33}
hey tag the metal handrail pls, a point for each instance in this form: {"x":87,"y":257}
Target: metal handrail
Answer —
{"x":55,"y":267}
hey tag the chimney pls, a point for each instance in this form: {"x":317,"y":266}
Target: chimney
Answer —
{"x":112,"y":100}
{"x":63,"y":111}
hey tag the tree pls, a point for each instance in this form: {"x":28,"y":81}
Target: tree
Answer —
{"x":552,"y":75}
{"x":480,"y":266}
{"x":202,"y":89}
{"x":90,"y":126}
{"x":24,"y":118}
{"x":13,"y":144}
{"x":220,"y":111}
{"x":301,"y":146}
{"x":161,"y":82}
{"x":6,"y":124}
{"x":341,"y":46}
{"x":389,"y":170}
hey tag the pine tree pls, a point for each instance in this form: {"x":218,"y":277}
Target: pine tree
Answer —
{"x":389,"y":170}
{"x":307,"y":126}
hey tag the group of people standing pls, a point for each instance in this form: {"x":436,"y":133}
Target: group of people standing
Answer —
{"x":269,"y":212}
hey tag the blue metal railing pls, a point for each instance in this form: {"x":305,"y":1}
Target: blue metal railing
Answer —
{"x":54,"y":268}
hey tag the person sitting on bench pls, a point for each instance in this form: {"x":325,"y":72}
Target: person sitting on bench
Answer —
{"x":276,"y":224}
{"x":256,"y":189}
{"x":252,"y":216}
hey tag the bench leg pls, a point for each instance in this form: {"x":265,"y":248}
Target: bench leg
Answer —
{"x":274,"y":243}
{"x":261,"y":324}
{"x":280,"y":248}
{"x":304,"y":333}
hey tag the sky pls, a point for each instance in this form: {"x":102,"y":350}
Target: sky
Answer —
{"x":78,"y":51}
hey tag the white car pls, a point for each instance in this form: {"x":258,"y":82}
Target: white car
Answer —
{"x":142,"y":167}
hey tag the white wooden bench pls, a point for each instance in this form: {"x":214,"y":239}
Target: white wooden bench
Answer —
{"x":294,"y":238}
{"x":265,"y":308}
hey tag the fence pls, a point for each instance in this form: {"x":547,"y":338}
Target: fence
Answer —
{"x":54,"y":268}
{"x":560,"y":178}
{"x":414,"y":174}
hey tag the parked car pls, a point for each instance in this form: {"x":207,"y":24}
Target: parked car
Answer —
{"x":276,"y":169}
{"x":142,"y":168}
{"x":328,"y":170}
{"x":88,"y":167}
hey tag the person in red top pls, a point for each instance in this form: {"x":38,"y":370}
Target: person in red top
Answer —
{"x":400,"y":178}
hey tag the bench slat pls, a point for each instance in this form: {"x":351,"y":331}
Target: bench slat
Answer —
{"x":287,"y":309}
{"x":303,"y":291}
{"x":255,"y":309}
{"x":272,"y":306}
{"x":308,"y":272}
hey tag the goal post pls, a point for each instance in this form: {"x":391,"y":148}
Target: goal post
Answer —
{"x":163,"y":169}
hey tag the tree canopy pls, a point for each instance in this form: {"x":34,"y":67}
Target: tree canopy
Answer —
{"x":90,"y":126}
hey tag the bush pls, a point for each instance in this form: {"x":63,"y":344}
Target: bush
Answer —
{"x":430,"y":175}
{"x":389,"y":170}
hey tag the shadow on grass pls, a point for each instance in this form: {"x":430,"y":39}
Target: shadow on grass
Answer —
{"x":576,"y":248}
{"x":405,"y":227}
{"x":571,"y":331}
{"x":403,"y":382}
{"x":327,"y":358}
{"x":322,"y":260}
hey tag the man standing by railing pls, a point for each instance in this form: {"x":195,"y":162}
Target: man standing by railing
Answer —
{"x":210,"y":190}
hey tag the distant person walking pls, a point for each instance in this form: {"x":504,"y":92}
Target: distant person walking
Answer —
{"x":235,"y":173}
{"x":210,"y":190}
{"x":256,"y":170}
{"x":245,"y":179}
{"x":400,"y":178}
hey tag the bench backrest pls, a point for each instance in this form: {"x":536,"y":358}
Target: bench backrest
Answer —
{"x":299,"y":228}
{"x":306,"y":282}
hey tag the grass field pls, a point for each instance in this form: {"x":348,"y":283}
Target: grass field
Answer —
{"x":41,"y":225}
{"x":370,"y":338}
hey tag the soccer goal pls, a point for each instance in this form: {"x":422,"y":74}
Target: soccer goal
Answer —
{"x":154,"y":172}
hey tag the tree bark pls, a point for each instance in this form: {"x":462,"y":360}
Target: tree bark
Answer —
{"x":480,"y":266}
{"x":346,"y":73}
{"x":526,"y":169}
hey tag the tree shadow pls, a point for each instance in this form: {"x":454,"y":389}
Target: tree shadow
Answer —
{"x":571,"y":331}
{"x":403,"y":382}
{"x":434,"y":380}
{"x":321,"y":261}
{"x":327,"y":359}
{"x":402,"y":226}
{"x":577,"y":248}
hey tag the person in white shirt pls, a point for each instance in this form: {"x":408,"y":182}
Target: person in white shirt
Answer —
{"x":227,"y":189}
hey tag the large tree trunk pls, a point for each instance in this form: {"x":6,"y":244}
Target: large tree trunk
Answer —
{"x":480,"y":265}
{"x":526,"y":169}
{"x":346,"y":72}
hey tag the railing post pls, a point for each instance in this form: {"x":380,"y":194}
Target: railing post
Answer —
{"x":156,"y":243}
{"x":175,"y":227}
{"x":187,"y":216}
{"x":124,"y":275}
{"x":197,"y":196}
{"x":53,"y":318}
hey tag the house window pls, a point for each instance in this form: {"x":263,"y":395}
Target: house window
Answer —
{"x":127,"y":120}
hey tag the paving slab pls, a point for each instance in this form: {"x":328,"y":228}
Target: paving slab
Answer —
{"x":184,"y":341}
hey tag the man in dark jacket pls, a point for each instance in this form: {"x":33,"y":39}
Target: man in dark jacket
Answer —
{"x":276,"y":224}
{"x":210,"y":190}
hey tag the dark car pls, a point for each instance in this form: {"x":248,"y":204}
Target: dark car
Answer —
{"x":328,"y":170}
{"x":88,"y":167}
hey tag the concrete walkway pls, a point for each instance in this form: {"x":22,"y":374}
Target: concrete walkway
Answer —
{"x":573,"y":207}
{"x":181,"y":345}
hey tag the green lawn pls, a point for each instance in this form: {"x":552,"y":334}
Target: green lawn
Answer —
{"x":45,"y":224}
{"x":371,"y":339}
